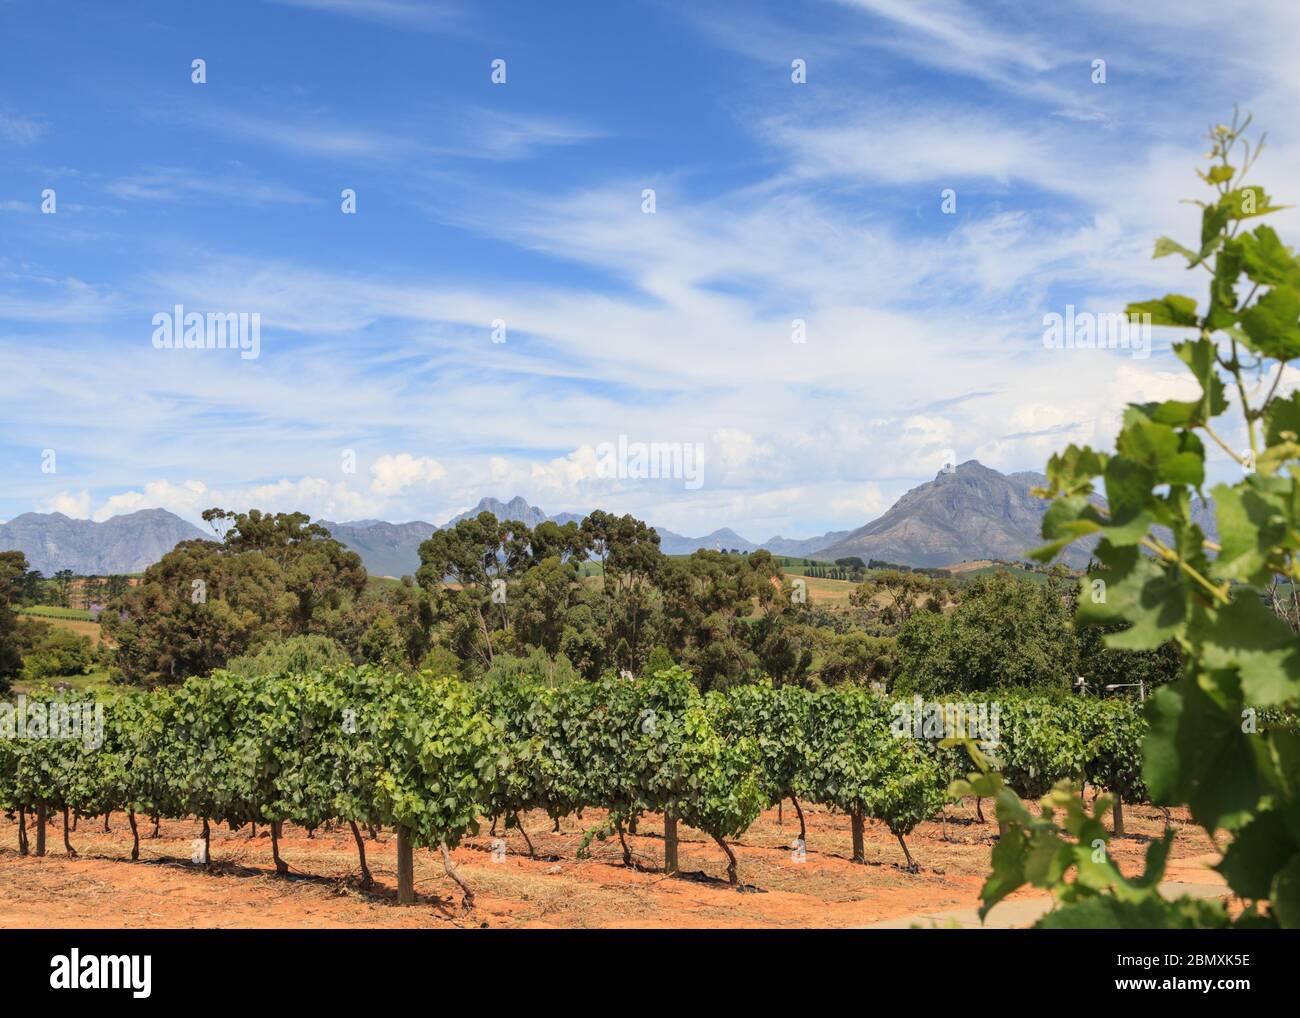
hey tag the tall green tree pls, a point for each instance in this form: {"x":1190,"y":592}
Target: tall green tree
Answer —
{"x":13,"y":568}
{"x":63,"y":580}
{"x":1004,"y":632}
{"x":204,"y":602}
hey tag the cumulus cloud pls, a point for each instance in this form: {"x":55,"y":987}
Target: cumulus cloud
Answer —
{"x":188,"y":498}
{"x":923,"y":330}
{"x":74,"y":504}
{"x":395,"y":473}
{"x":736,"y":453}
{"x":316,"y":496}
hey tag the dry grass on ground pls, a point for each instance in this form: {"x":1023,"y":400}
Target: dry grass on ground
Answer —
{"x":102,"y":888}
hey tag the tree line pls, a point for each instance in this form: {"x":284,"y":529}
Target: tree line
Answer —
{"x":277,"y":590}
{"x":63,"y":589}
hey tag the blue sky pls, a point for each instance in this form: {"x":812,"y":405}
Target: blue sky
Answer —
{"x":522,"y":202}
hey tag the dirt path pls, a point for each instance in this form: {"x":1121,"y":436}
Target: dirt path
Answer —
{"x":102,"y":888}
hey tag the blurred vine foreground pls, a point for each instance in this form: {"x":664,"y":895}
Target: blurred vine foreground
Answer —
{"x":1214,"y":742}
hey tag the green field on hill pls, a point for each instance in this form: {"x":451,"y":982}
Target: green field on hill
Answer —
{"x":52,"y":612}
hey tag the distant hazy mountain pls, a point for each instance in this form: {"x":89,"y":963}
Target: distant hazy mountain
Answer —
{"x":725,"y":539}
{"x":803,"y":547}
{"x":393,"y":549}
{"x":386,"y":549}
{"x":122,"y":544}
{"x":969,"y":514}
{"x":135,"y":541}
{"x":972,"y":512}
{"x":516,"y":509}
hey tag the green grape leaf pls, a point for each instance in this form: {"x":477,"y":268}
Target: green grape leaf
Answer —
{"x":1223,"y":290}
{"x":1128,"y":488}
{"x":1172,"y":457}
{"x":1071,"y":472}
{"x":1066,"y":520}
{"x":1248,"y":202}
{"x":1047,"y":859}
{"x":1200,"y":357}
{"x":1247,"y":636}
{"x":1258,"y":851}
{"x":1104,"y":912}
{"x":1138,"y":591}
{"x":1283,"y":776}
{"x":1171,"y":309}
{"x":1282,"y":416}
{"x":1195,"y":752}
{"x":1008,"y":871}
{"x":1285,"y":895}
{"x":1166,"y":246}
{"x":1273,"y":323}
{"x":1265,"y":259}
{"x":1213,"y":220}
{"x":1243,"y":535}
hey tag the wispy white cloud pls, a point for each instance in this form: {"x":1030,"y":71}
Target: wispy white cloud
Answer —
{"x":19,"y":130}
{"x":169,"y":184}
{"x":950,"y":34}
{"x":514,"y":136}
{"x":923,"y":332}
{"x":926,"y":144}
{"x":319,"y":135}
{"x":45,"y":299}
{"x":473,"y":134}
{"x":430,"y":16}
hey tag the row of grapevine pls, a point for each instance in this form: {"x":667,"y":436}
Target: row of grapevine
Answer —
{"x":430,"y":756}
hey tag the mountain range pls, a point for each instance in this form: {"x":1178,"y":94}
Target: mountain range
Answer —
{"x":122,"y":544}
{"x":727,"y":539}
{"x":967,"y":513}
{"x":393,"y":549}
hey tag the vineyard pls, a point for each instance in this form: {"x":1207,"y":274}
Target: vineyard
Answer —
{"x":434,"y":758}
{"x":46,"y":611}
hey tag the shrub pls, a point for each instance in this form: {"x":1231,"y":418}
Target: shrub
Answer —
{"x":293,"y":655}
{"x":58,"y":652}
